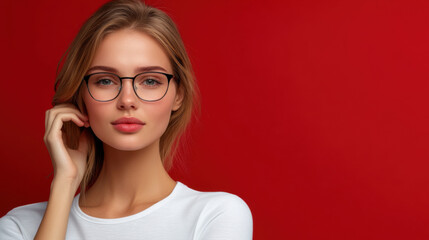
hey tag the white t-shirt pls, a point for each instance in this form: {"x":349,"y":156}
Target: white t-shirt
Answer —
{"x":184,"y":214}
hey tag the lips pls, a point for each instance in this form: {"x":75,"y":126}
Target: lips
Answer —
{"x":127,"y":121}
{"x":128,"y":125}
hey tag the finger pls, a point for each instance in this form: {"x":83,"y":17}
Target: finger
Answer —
{"x":55,"y":111}
{"x":54,"y":130}
{"x":69,"y":108}
{"x":65,"y":116}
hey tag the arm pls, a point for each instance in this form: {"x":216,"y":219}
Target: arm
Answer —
{"x":54,"y":222}
{"x":69,"y":167}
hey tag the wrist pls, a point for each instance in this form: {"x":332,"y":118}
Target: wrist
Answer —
{"x":64,"y":185}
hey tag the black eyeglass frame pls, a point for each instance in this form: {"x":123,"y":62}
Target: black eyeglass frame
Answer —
{"x":169,"y":77}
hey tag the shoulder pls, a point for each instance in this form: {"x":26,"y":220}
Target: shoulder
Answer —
{"x":222,"y":215}
{"x":214,"y":201}
{"x":223,"y":202}
{"x":22,"y":222}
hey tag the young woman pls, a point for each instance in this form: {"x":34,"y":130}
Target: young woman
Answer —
{"x":123,"y":98}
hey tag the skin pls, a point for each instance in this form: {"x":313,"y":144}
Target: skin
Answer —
{"x":133,"y":177}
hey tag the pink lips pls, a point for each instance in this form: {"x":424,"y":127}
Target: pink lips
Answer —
{"x":128,"y":125}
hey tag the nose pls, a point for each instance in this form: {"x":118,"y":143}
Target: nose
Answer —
{"x":127,"y":98}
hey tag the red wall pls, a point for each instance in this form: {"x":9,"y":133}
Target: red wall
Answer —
{"x":314,"y":112}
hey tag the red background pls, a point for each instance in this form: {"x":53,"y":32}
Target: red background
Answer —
{"x":314,"y":112}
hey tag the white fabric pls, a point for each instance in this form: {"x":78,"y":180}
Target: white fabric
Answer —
{"x":184,"y":214}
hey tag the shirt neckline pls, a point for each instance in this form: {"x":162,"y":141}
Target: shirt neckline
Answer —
{"x":81,"y":214}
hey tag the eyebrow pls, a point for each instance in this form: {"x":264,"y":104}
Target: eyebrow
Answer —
{"x":139,"y":69}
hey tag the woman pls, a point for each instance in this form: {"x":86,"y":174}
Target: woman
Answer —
{"x":123,"y":98}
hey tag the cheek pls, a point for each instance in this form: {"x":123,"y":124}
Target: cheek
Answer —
{"x":158,"y":114}
{"x":96,"y":113}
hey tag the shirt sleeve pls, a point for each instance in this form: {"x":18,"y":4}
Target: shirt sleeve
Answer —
{"x":9,"y":229}
{"x":226,"y":218}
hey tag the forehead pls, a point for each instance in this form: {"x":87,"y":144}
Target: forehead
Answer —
{"x":129,"y":50}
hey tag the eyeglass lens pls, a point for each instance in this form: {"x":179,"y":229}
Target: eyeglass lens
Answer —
{"x":147,"y":86}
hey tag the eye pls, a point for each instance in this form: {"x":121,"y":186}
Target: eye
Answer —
{"x":150,"y":82}
{"x":104,"y":82}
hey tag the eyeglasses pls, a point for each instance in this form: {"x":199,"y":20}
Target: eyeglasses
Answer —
{"x":148,"y":86}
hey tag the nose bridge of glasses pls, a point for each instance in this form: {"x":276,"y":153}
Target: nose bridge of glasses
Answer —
{"x":124,"y":84}
{"x":131,"y":80}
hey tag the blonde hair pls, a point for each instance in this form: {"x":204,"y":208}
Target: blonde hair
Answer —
{"x":111,"y":17}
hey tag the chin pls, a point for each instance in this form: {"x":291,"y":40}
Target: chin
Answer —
{"x":122,"y":147}
{"x":129,"y":144}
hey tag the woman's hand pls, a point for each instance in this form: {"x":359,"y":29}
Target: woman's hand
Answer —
{"x":69,"y":168}
{"x":69,"y":164}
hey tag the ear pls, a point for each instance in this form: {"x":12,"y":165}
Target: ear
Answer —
{"x":178,"y":99}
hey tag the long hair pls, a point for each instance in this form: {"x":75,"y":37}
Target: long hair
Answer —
{"x":111,"y":17}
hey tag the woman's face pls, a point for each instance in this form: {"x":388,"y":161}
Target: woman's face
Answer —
{"x":128,"y":53}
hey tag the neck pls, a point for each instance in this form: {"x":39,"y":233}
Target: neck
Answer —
{"x":130,"y":177}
